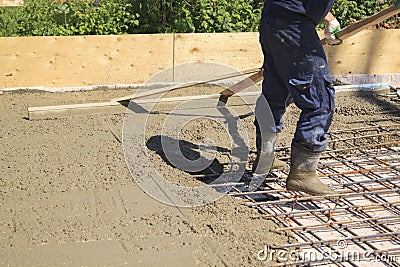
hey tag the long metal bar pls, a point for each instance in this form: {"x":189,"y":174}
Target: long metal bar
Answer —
{"x":364,"y":137}
{"x":376,"y":207}
{"x":381,"y":220}
{"x":340,"y":195}
{"x":261,"y":192}
{"x":370,"y":127}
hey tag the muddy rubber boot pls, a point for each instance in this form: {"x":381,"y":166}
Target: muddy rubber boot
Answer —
{"x":303,"y":176}
{"x":265,"y":160}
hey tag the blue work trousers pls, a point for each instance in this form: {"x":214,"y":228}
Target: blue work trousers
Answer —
{"x":295,"y":66}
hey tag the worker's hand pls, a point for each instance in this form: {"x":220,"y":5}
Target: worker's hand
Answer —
{"x":331,"y":28}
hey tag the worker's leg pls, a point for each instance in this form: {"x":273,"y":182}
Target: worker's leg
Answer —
{"x":271,"y":102}
{"x":314,"y":95}
{"x":301,"y":64}
{"x":274,"y":88}
{"x":311,"y":87}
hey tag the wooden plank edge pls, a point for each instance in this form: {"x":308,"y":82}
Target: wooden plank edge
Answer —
{"x":62,"y":111}
{"x":41,"y":113}
{"x":243,"y":84}
{"x":74,"y":106}
{"x":47,"y":112}
{"x":186,"y":85}
{"x":370,"y":21}
{"x":365,"y":23}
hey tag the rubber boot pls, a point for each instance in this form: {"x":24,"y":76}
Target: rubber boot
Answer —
{"x":303,"y":176}
{"x":265,"y":160}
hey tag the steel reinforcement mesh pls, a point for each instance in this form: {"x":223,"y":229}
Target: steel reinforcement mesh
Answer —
{"x":359,"y":227}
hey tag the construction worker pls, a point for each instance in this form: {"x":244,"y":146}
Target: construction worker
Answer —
{"x":295,"y":67}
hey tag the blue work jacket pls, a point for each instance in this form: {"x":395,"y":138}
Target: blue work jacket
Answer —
{"x":315,"y":10}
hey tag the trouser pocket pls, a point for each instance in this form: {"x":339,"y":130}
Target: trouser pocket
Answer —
{"x":330,"y":91}
{"x":303,"y":92}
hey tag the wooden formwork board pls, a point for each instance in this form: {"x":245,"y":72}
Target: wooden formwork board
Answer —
{"x":238,"y":50}
{"x":368,"y":52}
{"x":56,"y":62}
{"x":83,"y":60}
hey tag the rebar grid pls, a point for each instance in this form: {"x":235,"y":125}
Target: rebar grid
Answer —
{"x":361,"y":225}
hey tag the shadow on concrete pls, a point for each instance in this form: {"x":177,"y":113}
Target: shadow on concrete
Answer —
{"x":191,"y":152}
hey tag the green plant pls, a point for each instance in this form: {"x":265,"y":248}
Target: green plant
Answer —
{"x":83,"y":18}
{"x":213,"y":16}
{"x":150,"y":16}
{"x":47,"y":17}
{"x":198,"y":15}
{"x":35,"y":18}
{"x":351,"y":10}
{"x":9,"y":20}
